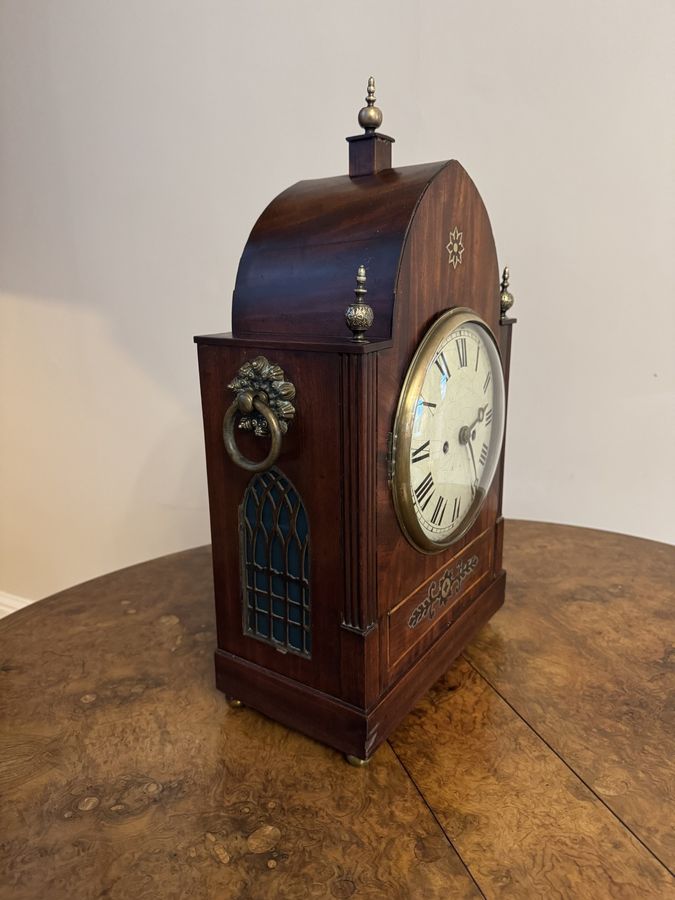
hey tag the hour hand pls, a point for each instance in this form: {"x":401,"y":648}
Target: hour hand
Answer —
{"x":427,"y":403}
{"x":479,"y":418}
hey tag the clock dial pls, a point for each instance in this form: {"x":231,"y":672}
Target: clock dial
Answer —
{"x":448,"y":432}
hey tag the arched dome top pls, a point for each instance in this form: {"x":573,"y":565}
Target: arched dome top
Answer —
{"x":297,"y":272}
{"x":298,"y":269}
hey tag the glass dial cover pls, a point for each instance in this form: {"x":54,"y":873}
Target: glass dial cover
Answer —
{"x":448,"y":432}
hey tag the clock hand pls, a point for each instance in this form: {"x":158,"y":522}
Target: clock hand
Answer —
{"x":475,"y":471}
{"x":479,"y":418}
{"x":465,"y":437}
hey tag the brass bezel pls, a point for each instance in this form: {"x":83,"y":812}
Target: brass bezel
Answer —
{"x":402,"y":433}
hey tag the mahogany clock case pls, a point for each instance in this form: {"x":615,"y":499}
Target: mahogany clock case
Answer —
{"x":386,"y":620}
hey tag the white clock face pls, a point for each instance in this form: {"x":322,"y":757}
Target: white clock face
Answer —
{"x":453,"y":432}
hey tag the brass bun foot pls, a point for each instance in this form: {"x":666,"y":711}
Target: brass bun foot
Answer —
{"x":355,"y":761}
{"x":235,"y":704}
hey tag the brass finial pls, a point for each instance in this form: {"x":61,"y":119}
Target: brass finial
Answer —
{"x":359,"y":316}
{"x":370,"y":117}
{"x":506,"y":297}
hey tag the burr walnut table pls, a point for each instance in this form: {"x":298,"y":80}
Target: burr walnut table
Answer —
{"x":541,"y":765}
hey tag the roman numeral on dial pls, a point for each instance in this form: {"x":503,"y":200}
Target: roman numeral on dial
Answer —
{"x":442,"y":364}
{"x":456,"y":508}
{"x":482,"y":459}
{"x":477,"y":356}
{"x":488,"y":417}
{"x":461,"y":351}
{"x":424,"y":491}
{"x":439,"y":511}
{"x":486,"y":383}
{"x":418,"y":453}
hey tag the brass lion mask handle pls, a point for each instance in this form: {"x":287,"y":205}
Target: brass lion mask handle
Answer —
{"x":263,"y":403}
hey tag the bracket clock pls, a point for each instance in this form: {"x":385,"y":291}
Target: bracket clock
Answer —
{"x":354,"y":424}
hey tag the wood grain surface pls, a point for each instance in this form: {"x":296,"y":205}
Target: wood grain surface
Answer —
{"x":125,"y":774}
{"x":539,"y":766}
{"x":523,"y":823}
{"x":585,"y":652}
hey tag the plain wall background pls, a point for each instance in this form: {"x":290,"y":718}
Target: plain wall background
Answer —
{"x":141,"y":139}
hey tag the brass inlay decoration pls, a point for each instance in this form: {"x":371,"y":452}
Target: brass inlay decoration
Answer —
{"x":359,"y":316}
{"x":263,"y":402}
{"x":455,"y":247}
{"x":442,"y":590}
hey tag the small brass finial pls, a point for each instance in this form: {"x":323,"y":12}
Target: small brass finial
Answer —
{"x":370,"y":117}
{"x":359,"y":316}
{"x":506,"y":297}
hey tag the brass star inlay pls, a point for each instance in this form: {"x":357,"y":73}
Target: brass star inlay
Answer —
{"x":455,"y":247}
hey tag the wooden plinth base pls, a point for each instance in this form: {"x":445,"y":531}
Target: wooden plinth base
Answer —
{"x":352,"y":731}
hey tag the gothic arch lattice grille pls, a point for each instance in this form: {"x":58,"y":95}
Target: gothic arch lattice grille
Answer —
{"x":274,"y":553}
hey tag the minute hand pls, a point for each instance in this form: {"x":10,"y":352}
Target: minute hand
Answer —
{"x":465,"y":438}
{"x":473,"y":460}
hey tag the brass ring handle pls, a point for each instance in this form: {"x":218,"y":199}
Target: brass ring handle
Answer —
{"x":245,"y":403}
